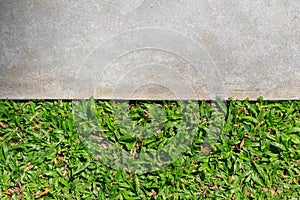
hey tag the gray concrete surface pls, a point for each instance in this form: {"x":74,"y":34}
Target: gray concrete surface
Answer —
{"x":150,"y":49}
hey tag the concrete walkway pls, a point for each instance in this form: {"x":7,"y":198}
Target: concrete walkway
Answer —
{"x":144,"y":49}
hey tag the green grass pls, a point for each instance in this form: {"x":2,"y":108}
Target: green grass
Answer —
{"x":257,"y":156}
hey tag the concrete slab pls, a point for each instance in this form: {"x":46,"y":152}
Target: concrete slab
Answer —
{"x":146,"y":49}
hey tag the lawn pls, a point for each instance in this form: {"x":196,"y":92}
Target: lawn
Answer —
{"x":45,"y":154}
